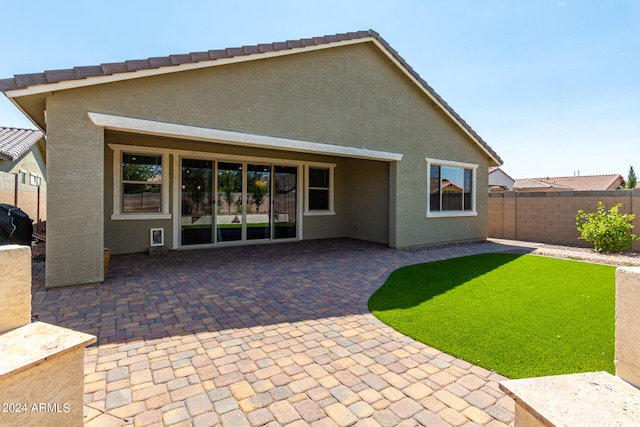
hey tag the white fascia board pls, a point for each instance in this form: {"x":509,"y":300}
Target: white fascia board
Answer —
{"x":453,"y":163}
{"x":174,"y":130}
{"x":91,"y":81}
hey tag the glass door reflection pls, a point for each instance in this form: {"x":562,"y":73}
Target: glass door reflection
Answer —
{"x":229,"y":206}
{"x":197,"y":202}
{"x":258,"y":202}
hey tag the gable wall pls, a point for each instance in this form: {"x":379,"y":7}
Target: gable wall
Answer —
{"x":352,"y":96}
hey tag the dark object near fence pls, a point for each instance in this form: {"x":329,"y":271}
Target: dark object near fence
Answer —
{"x":15,"y":226}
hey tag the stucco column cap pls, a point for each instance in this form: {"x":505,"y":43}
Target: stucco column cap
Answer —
{"x":30,"y":345}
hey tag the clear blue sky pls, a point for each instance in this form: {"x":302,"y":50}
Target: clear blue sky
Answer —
{"x":552,"y":86}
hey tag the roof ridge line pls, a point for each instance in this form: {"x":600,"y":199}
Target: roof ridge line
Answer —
{"x":21,"y":81}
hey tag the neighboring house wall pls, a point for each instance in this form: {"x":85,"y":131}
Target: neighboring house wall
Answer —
{"x":31,"y":194}
{"x":550,"y":217}
{"x":499,"y":179}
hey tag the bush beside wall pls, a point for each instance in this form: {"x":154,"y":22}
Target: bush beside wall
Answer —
{"x":549,"y":217}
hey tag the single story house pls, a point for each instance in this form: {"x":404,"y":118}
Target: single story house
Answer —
{"x":499,"y":180}
{"x":570,"y":183}
{"x":23,"y":173}
{"x":333,"y":136}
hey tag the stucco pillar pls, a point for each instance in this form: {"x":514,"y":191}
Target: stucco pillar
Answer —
{"x":15,"y":286}
{"x":393,"y":201}
{"x":628,"y":324}
{"x":635,"y":209}
{"x":42,"y":376}
{"x":41,"y":365}
{"x":75,"y":199}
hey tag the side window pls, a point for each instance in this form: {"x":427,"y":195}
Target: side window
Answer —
{"x":141,"y":183}
{"x":451,"y":188}
{"x":319,"y":190}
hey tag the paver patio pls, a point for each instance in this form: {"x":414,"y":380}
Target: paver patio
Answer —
{"x":264,"y":335}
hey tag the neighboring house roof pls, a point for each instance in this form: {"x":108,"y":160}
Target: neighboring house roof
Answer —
{"x":48,"y":81}
{"x":15,"y":142}
{"x":587,"y":182}
{"x":450,"y":187}
{"x":530,"y":184}
{"x":570,"y":183}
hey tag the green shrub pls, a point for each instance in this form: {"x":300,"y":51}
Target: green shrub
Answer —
{"x":608,"y":231}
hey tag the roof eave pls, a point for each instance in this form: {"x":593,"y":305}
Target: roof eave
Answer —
{"x":168,"y":69}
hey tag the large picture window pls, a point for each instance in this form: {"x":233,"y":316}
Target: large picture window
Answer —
{"x":451,"y":188}
{"x":319,"y":190}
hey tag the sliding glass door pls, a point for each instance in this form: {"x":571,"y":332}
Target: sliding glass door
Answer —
{"x":230,"y":201}
{"x":258,"y":202}
{"x":197,"y":202}
{"x":251,"y":202}
{"x":285,"y":202}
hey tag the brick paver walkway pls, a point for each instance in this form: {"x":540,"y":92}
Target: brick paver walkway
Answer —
{"x":275,"y":335}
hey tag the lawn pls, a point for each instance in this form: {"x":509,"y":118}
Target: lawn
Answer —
{"x":519,"y":315}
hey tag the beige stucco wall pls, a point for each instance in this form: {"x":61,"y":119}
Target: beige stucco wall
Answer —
{"x":74,"y":198}
{"x":351,"y":96}
{"x":41,"y":365}
{"x":367,"y":200}
{"x":56,"y":383}
{"x":15,"y":286}
{"x":628,"y":324}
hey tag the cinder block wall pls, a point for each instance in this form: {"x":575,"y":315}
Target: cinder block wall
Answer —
{"x":27,"y":198}
{"x":549,"y":217}
{"x":7,"y":188}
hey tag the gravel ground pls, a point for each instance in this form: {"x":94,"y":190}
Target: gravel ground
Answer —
{"x":631,"y":258}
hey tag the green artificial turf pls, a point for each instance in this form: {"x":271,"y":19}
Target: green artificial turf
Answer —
{"x":519,"y":315}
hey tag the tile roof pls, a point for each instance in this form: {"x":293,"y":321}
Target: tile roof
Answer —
{"x":571,"y":183}
{"x":531,"y":183}
{"x":586,"y":182}
{"x":23,"y":81}
{"x":15,"y":142}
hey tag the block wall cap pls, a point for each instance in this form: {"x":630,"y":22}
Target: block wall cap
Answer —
{"x":33,"y":344}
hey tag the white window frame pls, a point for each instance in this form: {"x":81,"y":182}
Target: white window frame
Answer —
{"x":117,"y":214}
{"x":474,"y":185}
{"x":331,"y":210}
{"x":34,"y":180}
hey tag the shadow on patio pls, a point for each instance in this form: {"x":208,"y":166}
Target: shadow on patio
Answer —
{"x":185,"y":292}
